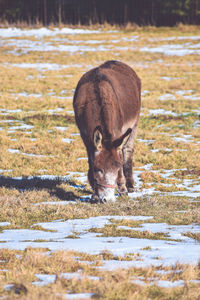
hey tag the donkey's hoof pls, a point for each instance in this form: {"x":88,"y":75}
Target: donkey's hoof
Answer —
{"x":123,"y":191}
{"x":94,"y":199}
{"x":130,"y":186}
{"x":130,"y":189}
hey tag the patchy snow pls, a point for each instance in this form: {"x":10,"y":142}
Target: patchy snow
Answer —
{"x":147,"y":167}
{"x":167,"y":97}
{"x":188,"y":94}
{"x":175,"y":49}
{"x":44,"y":279}
{"x":164,"y":252}
{"x":184,"y":249}
{"x":185,"y":138}
{"x":78,"y":275}
{"x":14,"y":151}
{"x":9,"y":121}
{"x":26,"y":46}
{"x":146,"y":141}
{"x":169,"y":284}
{"x":56,"y":110}
{"x":11,"y":37}
{"x":79,"y":175}
{"x":4,"y":223}
{"x":75,"y":134}
{"x":145,"y":92}
{"x":82,"y":158}
{"x":71,"y":112}
{"x":61,"y":128}
{"x":66,"y":140}
{"x":144,"y":192}
{"x":171,"y":231}
{"x":36,"y":155}
{"x":55,"y":203}
{"x":79,"y":296}
{"x":8,"y":287}
{"x":169,"y":78}
{"x":196,"y":124}
{"x":195,"y":46}
{"x":191,"y":194}
{"x":5,"y":171}
{"x":165,"y":272}
{"x":164,"y":149}
{"x":17,"y":151}
{"x":21,"y":127}
{"x":41,"y":67}
{"x":161,"y":111}
{"x":153,"y":281}
{"x":25,"y":94}
{"x":173,"y":38}
{"x":112,"y":265}
{"x":42,"y":32}
{"x":6,"y":111}
{"x":182,"y":92}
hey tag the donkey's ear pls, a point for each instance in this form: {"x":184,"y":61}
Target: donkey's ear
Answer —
{"x":97,"y":138}
{"x":120,"y":142}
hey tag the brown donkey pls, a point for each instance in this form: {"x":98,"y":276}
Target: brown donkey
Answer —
{"x":107,"y":104}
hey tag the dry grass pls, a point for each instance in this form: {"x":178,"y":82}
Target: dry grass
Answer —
{"x":22,"y":267}
{"x":42,"y":100}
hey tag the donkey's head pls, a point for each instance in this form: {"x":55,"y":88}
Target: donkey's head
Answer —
{"x":107,"y":164}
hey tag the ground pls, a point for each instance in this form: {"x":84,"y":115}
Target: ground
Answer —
{"x":54,"y":244}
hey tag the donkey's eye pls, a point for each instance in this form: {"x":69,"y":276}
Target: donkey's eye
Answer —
{"x":97,"y":170}
{"x":116,"y":165}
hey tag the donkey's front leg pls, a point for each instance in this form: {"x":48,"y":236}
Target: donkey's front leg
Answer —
{"x":121,"y":182}
{"x":128,"y":168}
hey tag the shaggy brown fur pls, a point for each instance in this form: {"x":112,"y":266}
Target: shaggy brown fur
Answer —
{"x":107,"y":103}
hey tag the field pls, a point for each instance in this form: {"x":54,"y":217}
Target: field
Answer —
{"x":55,"y":244}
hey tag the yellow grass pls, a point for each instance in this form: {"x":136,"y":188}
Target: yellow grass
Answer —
{"x":43,"y":99}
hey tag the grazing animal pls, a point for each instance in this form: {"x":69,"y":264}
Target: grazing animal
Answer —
{"x":107,"y":104}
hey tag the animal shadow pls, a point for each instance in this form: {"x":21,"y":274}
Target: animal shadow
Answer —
{"x":37,"y":183}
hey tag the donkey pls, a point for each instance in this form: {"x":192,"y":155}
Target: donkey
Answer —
{"x":107,"y":103}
